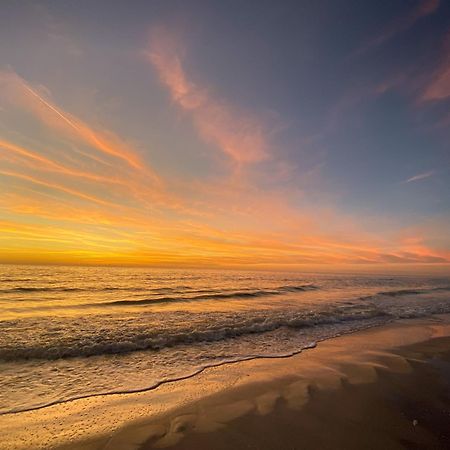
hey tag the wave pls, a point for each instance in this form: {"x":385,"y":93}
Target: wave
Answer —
{"x":84,"y":289}
{"x":117,"y":342}
{"x":203,"y":293}
{"x":15,"y":280}
{"x":215,"y":295}
{"x":402,"y":292}
{"x":38,"y":289}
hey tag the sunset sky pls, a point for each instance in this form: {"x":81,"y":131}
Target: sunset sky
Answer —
{"x":237,"y":134}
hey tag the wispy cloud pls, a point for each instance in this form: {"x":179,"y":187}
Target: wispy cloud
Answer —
{"x":101,"y":140}
{"x":438,"y":87}
{"x":41,"y":162}
{"x":94,"y":164}
{"x":420,"y":176}
{"x":399,"y":25}
{"x":239,"y":134}
{"x":55,"y":186}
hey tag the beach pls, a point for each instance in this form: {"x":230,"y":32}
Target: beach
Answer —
{"x":404,"y":403}
{"x":383,"y":387}
{"x":224,"y":225}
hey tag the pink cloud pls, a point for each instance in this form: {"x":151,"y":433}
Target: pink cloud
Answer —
{"x":240,"y":135}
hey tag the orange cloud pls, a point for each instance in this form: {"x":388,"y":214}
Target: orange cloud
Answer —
{"x":47,"y":164}
{"x":55,"y":186}
{"x":239,"y":135}
{"x":102,"y":141}
{"x":82,"y":152}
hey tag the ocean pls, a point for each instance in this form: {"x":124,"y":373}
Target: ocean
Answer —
{"x":76,"y":332}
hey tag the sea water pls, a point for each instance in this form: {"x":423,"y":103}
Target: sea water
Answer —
{"x":75,"y":332}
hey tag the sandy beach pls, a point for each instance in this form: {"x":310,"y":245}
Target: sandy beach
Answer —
{"x":385,"y":387}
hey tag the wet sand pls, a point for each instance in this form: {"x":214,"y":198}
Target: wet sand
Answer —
{"x":401,"y":409}
{"x":387,"y":387}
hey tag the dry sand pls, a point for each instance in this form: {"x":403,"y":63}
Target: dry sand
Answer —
{"x":387,"y":387}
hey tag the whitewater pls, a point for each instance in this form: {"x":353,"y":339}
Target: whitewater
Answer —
{"x":75,"y":332}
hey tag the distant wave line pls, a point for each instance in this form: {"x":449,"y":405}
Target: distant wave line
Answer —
{"x":214,"y":293}
{"x":219,"y":295}
{"x":401,"y":292}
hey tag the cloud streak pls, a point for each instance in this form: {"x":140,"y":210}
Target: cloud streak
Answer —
{"x":420,"y":176}
{"x":102,"y":141}
{"x":240,"y":135}
{"x":50,"y":165}
{"x":438,"y":87}
{"x":399,"y":25}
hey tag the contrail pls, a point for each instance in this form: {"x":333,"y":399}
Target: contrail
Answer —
{"x":420,"y":176}
{"x":31,"y":91}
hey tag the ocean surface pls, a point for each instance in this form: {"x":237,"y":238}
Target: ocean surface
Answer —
{"x":74,"y":332}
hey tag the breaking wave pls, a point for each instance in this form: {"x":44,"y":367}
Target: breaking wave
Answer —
{"x":115,"y":340}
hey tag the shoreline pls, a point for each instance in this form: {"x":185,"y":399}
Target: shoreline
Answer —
{"x":170,"y":380}
{"x":157,"y":385}
{"x":130,"y":420}
{"x":406,"y":405}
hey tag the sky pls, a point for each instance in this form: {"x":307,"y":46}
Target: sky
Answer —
{"x":282,"y":135}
